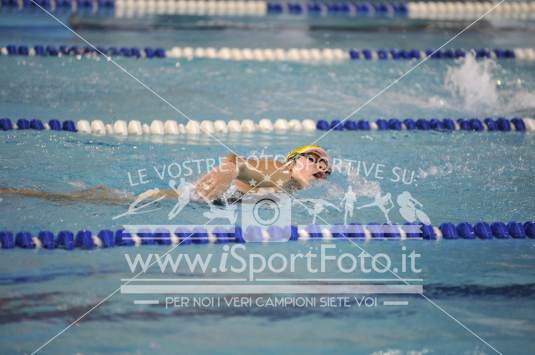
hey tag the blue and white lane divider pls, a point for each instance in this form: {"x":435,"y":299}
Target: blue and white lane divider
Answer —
{"x":329,"y":55}
{"x":85,"y":239}
{"x":174,"y":128}
{"x":411,"y":9}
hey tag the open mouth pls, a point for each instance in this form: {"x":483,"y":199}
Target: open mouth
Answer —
{"x":318,"y":175}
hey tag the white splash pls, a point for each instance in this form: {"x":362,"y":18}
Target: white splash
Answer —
{"x":482,"y":86}
{"x":432,"y":170}
{"x":473,"y":82}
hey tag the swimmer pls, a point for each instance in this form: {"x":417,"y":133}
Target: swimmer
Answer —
{"x":302,"y":167}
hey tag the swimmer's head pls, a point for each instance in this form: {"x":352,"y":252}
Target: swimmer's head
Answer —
{"x":310,"y":162}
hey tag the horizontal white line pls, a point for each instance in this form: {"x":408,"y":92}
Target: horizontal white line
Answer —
{"x":271,"y":289}
{"x":277,"y":241}
{"x":229,"y":228}
{"x":395,"y":303}
{"x":137,"y":227}
{"x":146,"y":302}
{"x":340,"y":280}
{"x":183,"y":280}
{"x":191,"y":237}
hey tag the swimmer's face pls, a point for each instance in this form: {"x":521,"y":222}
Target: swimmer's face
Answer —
{"x":310,"y":167}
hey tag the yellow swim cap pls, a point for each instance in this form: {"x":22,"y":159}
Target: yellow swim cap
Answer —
{"x":310,"y":148}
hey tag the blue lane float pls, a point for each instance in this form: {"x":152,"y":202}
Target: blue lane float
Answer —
{"x":87,"y":240}
{"x":501,"y":124}
{"x":86,"y":51}
{"x":35,"y":124}
{"x":171,"y":127}
{"x":331,"y":55}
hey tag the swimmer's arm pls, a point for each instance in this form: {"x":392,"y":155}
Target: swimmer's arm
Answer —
{"x":214,"y":183}
{"x":98,"y":194}
{"x":263,"y":172}
{"x":165,"y":194}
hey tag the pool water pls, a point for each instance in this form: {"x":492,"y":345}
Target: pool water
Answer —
{"x":486,"y":285}
{"x":458,"y":177}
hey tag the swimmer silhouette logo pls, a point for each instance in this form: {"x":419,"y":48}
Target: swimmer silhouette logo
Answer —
{"x":317,"y":206}
{"x":409,"y":207}
{"x":228,"y":212}
{"x":348,"y":202}
{"x":272,"y":212}
{"x":183,"y":192}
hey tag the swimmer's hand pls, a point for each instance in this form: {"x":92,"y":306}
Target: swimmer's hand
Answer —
{"x":212,"y":185}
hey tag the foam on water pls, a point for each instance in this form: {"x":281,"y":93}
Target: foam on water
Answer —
{"x":478,"y":87}
{"x":473,"y":82}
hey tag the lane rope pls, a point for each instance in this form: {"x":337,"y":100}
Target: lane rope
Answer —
{"x":451,"y":10}
{"x":193,"y":127}
{"x":306,"y":55}
{"x":85,"y":239}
